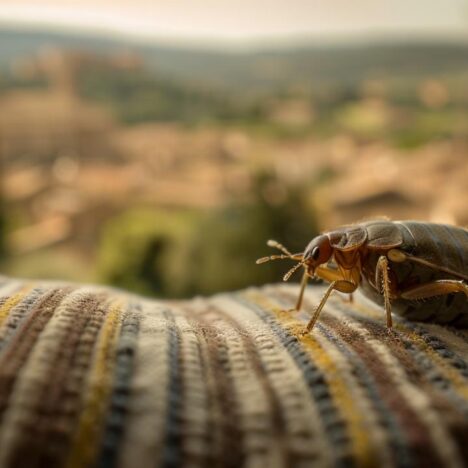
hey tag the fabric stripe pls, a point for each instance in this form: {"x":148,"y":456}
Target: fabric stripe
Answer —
{"x":332,"y":421}
{"x":91,"y":376}
{"x":276,"y":425}
{"x":18,"y":426}
{"x":12,"y":302}
{"x":14,"y":353}
{"x":388,"y":447}
{"x":60,"y":406}
{"x":172,"y":455}
{"x":120,"y":395}
{"x":16,"y":316}
{"x":448,"y":338}
{"x":226,"y":437}
{"x":146,"y":416}
{"x":449,"y":365}
{"x":145,"y":420}
{"x":385,"y":347}
{"x":84,"y":448}
{"x":357,"y":368}
{"x":447,"y":374}
{"x":431,"y":364}
{"x":358,"y":417}
{"x":199,"y":410}
{"x":305,"y":434}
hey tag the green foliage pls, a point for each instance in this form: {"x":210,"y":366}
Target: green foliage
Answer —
{"x":143,"y":251}
{"x":9,"y":82}
{"x":231,"y":239}
{"x":138,"y":96}
{"x":178,"y":254}
{"x":428,"y":126}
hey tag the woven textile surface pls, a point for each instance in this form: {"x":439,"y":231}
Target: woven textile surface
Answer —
{"x":95,"y":377}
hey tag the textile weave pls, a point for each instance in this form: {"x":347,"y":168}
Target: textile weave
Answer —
{"x":91,"y":376}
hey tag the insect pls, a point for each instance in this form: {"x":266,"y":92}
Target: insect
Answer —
{"x":420,"y":270}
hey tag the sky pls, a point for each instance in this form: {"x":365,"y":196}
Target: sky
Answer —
{"x":245,"y":20}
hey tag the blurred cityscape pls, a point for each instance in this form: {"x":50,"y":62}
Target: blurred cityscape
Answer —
{"x":165,"y":170}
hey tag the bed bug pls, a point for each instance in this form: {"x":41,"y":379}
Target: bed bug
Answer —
{"x":417,"y":269}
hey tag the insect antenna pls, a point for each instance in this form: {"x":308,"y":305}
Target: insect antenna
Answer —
{"x":273,"y":257}
{"x":292,"y":271}
{"x":286,"y":253}
{"x":277,"y":245}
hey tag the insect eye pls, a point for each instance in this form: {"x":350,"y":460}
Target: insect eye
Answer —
{"x":315,"y":253}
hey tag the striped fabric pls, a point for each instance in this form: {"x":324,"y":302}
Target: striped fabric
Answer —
{"x":96,"y":377}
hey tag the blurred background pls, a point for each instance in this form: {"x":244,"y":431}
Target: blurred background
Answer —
{"x":156,"y":146}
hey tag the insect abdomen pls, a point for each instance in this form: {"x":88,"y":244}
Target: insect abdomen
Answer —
{"x":442,"y":245}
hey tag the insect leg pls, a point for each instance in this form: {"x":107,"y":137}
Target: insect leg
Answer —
{"x":305,"y":278}
{"x":340,"y":285}
{"x":435,"y":288}
{"x":330,"y":274}
{"x":382,"y":282}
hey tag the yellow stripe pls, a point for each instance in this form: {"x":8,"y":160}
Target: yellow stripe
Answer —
{"x":444,"y":368}
{"x":12,"y":302}
{"x":86,"y":440}
{"x":361,"y":445}
{"x":447,"y":370}
{"x":416,"y":398}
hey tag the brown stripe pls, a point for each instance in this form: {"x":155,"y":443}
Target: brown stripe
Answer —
{"x":277,"y":417}
{"x":225,"y":434}
{"x":62,"y":401}
{"x":440,"y":402}
{"x":22,"y":343}
{"x":16,"y":315}
{"x":45,"y":442}
{"x":416,"y":432}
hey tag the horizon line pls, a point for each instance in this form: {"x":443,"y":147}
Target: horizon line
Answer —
{"x":299,"y":39}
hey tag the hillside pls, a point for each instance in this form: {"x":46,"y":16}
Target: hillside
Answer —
{"x":262,"y":69}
